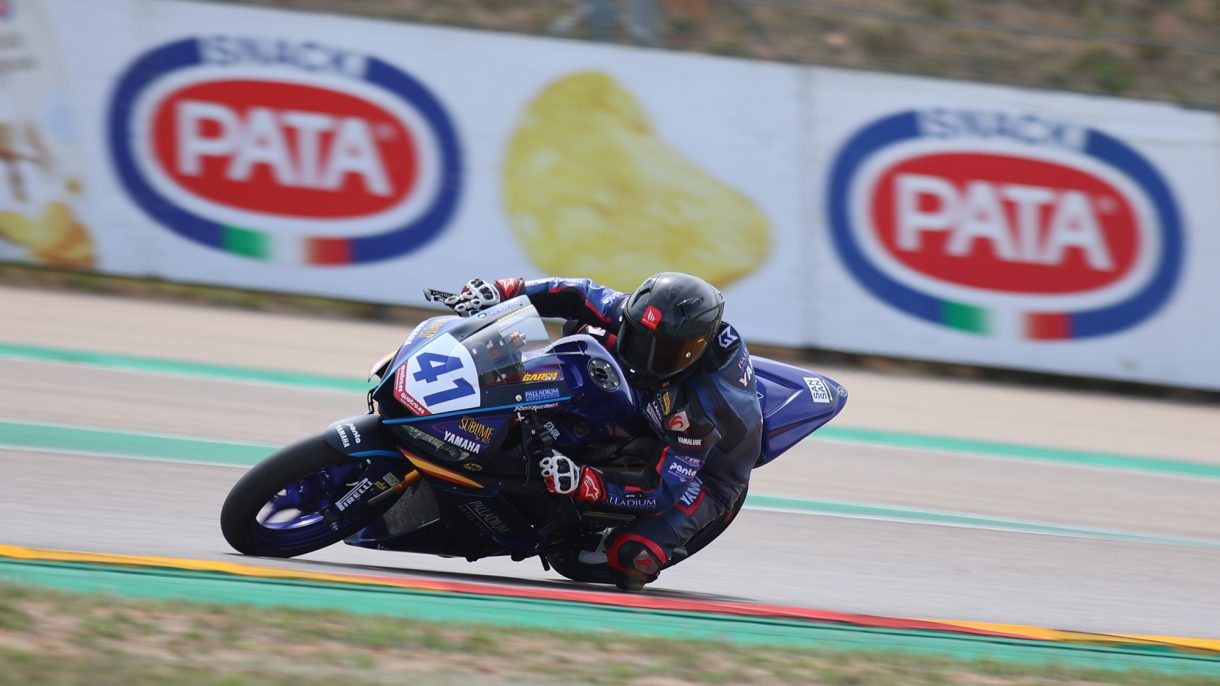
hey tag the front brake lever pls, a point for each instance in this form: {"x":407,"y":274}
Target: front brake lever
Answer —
{"x":435,"y":296}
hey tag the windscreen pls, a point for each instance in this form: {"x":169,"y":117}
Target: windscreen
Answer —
{"x":447,"y":372}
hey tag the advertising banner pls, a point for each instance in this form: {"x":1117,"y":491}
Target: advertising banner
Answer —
{"x":350,"y":158}
{"x":359,"y":159}
{"x":1015,"y":228}
{"x":41,"y":180}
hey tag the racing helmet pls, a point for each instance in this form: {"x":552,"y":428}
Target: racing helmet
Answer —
{"x":667,"y":324}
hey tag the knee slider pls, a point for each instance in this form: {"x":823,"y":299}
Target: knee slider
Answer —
{"x":635,"y":554}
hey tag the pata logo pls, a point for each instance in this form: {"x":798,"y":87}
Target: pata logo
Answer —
{"x":1005,"y":223}
{"x":289,"y":151}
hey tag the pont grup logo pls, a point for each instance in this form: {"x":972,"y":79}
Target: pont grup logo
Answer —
{"x":294,"y":152}
{"x":1005,"y":224}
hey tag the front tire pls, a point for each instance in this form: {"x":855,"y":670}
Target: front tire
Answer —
{"x":283,"y":506}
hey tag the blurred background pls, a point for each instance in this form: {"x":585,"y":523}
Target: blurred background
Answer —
{"x":992,"y":220}
{"x":1016,"y":185}
{"x":1160,"y":50}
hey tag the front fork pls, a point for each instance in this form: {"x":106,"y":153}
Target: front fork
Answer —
{"x":364,"y":437}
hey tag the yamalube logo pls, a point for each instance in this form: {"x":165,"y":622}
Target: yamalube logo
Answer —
{"x":288,"y":151}
{"x":1005,"y":224}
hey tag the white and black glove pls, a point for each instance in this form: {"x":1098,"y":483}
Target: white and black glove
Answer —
{"x":563,"y":476}
{"x":475,"y":296}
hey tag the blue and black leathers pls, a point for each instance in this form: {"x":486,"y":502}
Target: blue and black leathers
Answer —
{"x":708,"y":425}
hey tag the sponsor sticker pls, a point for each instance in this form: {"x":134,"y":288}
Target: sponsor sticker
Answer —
{"x":480,"y":431}
{"x":652,"y":317}
{"x":680,"y":470}
{"x":507,"y":286}
{"x":540,"y":376}
{"x":423,"y":333}
{"x":342,"y":436}
{"x":467,"y":444}
{"x":478,"y":512}
{"x":347,"y":500}
{"x":1005,"y":223}
{"x":693,"y":442}
{"x":631,"y":502}
{"x":691,"y":495}
{"x":747,"y":373}
{"x":679,"y":422}
{"x":297,"y":152}
{"x":590,"y":486}
{"x":536,"y":394}
{"x":727,"y":337}
{"x":817,"y":389}
{"x":404,"y":397}
{"x":653,"y":410}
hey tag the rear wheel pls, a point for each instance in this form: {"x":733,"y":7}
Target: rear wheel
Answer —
{"x":285,"y":505}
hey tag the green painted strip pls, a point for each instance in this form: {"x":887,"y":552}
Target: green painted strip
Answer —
{"x":69,"y":439}
{"x":246,"y":242}
{"x":144,"y":364}
{"x":874,"y":437}
{"x":830,"y":507}
{"x":212,"y":587}
{"x":964,"y":317}
{"x":1016,"y":450}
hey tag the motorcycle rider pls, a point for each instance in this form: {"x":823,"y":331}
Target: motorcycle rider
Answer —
{"x":695,"y":385}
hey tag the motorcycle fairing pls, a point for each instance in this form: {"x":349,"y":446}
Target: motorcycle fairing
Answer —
{"x":795,"y":403}
{"x":493,"y":361}
{"x":602,"y":408}
{"x":454,"y":521}
{"x":363,"y":438}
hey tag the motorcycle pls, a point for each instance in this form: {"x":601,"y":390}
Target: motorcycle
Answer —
{"x":445,"y":461}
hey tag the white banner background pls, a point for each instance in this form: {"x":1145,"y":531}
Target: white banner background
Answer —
{"x":734,"y":119}
{"x":1174,"y":345}
{"x":769,"y":132}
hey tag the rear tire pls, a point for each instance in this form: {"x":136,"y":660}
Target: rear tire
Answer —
{"x":303,"y":462}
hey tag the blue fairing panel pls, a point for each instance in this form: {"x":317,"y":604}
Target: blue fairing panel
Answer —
{"x":362,"y":436}
{"x":795,"y":403}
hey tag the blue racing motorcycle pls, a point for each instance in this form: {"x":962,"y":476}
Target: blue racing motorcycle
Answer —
{"x":445,"y":462}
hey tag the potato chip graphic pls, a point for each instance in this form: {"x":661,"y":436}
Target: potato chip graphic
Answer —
{"x":55,"y":239}
{"x":63,"y":242}
{"x":592,"y":191}
{"x":16,"y":228}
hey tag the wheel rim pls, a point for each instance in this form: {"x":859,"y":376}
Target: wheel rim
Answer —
{"x":294,"y":517}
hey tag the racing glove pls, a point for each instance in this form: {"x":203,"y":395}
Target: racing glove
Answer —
{"x":476,"y":295}
{"x":564,"y":477}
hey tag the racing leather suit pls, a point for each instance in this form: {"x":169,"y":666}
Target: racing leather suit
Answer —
{"x":708,"y":423}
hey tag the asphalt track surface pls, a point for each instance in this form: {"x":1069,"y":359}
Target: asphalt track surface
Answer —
{"x":858,"y":560}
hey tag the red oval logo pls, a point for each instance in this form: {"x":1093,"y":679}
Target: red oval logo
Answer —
{"x":284,"y":148}
{"x":1004,"y":223}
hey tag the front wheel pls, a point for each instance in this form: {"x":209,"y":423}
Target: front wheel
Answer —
{"x":286,"y":505}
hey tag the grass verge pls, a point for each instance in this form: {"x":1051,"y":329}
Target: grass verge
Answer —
{"x":54,"y":637}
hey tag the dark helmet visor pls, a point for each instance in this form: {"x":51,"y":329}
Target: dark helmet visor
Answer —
{"x":653,"y":357}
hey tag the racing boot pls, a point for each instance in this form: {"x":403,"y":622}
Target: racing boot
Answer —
{"x":634,"y":561}
{"x":596,"y":556}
